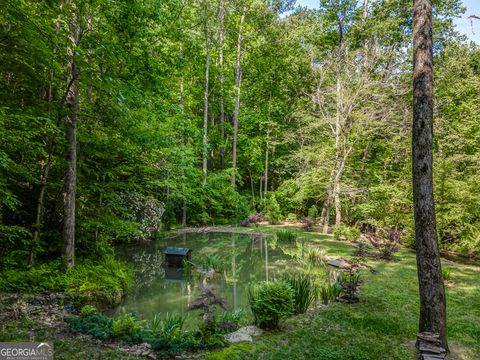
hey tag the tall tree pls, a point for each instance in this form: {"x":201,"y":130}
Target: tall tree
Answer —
{"x":432,"y":292}
{"x":71,"y":121}
{"x":236,"y":111}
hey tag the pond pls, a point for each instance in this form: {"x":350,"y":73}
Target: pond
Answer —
{"x":243,"y":259}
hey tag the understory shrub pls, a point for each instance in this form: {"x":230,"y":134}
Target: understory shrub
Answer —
{"x":87,"y":310}
{"x":345,"y":232}
{"x":270,"y":302}
{"x":126,"y":324}
{"x":313,"y":213}
{"x":291,"y":217}
{"x":272,"y":210}
{"x":304,"y":290}
{"x":101,"y":284}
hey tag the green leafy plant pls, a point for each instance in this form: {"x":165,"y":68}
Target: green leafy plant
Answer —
{"x":313,"y":213}
{"x":87,"y":310}
{"x":305,"y":291}
{"x":330,"y":292}
{"x":126,"y":324}
{"x":287,"y":235}
{"x":270,"y":302}
{"x":272,"y":211}
{"x":350,"y":285}
{"x":446,"y":274}
{"x":291,"y":217}
{"x":345,"y":232}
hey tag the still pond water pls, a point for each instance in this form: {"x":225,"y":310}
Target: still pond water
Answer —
{"x":245,"y":259}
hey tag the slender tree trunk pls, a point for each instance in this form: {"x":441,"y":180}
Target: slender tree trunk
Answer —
{"x":71,"y":120}
{"x":221,"y":41}
{"x":432,"y":292}
{"x":238,"y":82}
{"x":182,"y":110}
{"x":338,"y":131}
{"x":205,"y":109}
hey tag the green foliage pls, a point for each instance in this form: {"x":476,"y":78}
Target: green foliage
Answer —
{"x":305,"y":291}
{"x":125,"y":325}
{"x":287,"y":235}
{"x":270,"y":302}
{"x":169,"y":325}
{"x":348,"y":233}
{"x":446,"y":274}
{"x":330,"y":292}
{"x":291,"y":217}
{"x":88,"y":310}
{"x":97,"y":325}
{"x":101,"y":284}
{"x":313,"y":213}
{"x":272,"y":210}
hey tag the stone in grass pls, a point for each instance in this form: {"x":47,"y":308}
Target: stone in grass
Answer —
{"x":243,"y":334}
{"x":339,"y":263}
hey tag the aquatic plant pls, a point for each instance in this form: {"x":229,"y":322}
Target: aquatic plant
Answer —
{"x":305,"y":291}
{"x":330,"y":292}
{"x":287,"y":235}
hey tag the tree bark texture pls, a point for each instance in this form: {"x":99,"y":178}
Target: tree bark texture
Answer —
{"x":432,"y":292}
{"x":71,"y":135}
{"x":238,"y":83}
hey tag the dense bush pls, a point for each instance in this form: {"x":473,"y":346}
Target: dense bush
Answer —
{"x":313,"y":213}
{"x":270,"y":302}
{"x":272,"y":210}
{"x":345,"y":232}
{"x":97,"y":283}
{"x":87,"y":310}
{"x":125,"y":325}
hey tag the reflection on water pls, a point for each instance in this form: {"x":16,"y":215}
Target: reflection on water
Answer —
{"x":244,"y":260}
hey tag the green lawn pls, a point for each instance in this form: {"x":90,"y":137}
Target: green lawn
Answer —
{"x":382,"y":325}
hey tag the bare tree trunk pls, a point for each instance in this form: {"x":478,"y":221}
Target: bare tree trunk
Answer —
{"x":205,"y":100}
{"x":182,"y":110}
{"x":238,"y":82}
{"x":71,"y":120}
{"x":221,"y":41}
{"x":338,"y":131}
{"x":432,"y":291}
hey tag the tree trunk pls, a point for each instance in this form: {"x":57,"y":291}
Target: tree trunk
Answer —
{"x":221,"y":40}
{"x":238,"y":82}
{"x":338,"y":131}
{"x":432,"y":292}
{"x":71,"y":121}
{"x":182,"y":110}
{"x":205,"y":101}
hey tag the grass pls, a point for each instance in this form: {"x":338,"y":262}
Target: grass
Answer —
{"x":383,"y":325}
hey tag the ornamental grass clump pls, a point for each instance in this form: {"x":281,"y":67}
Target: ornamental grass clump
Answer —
{"x":304,"y":289}
{"x":270,"y":302}
{"x":287,"y":235}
